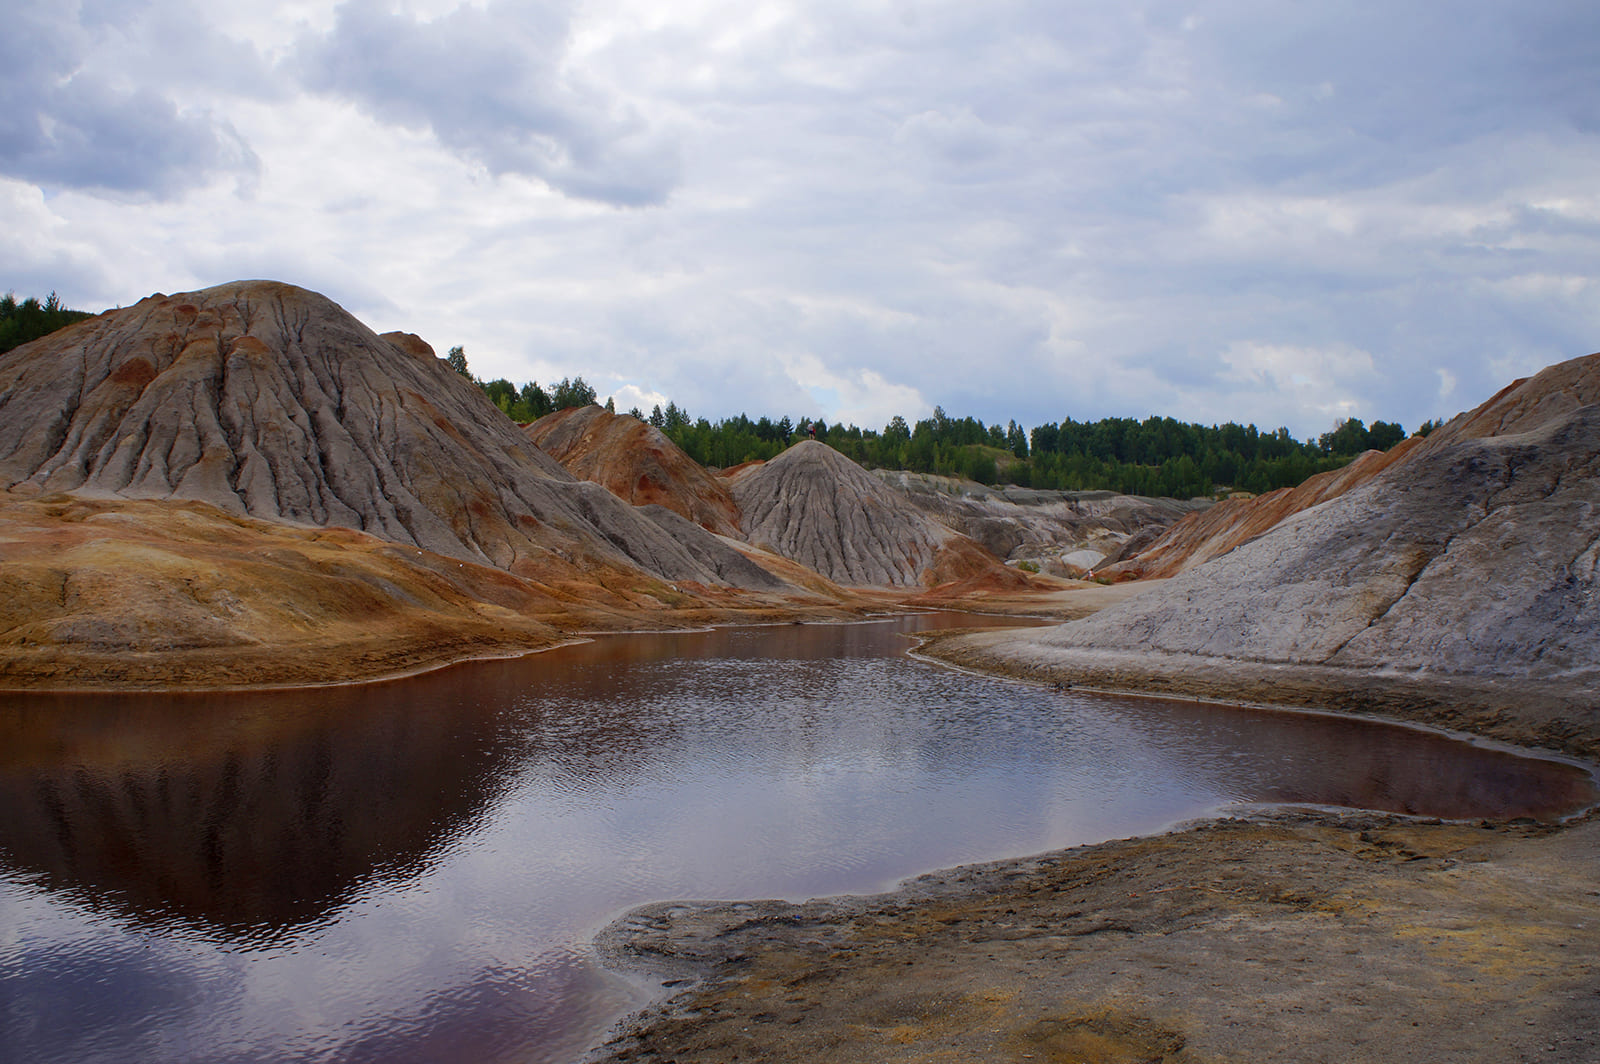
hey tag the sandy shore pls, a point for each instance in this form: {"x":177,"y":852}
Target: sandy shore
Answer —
{"x":1292,"y":935}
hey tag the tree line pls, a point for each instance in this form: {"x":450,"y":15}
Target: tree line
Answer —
{"x":31,"y":319}
{"x":1157,"y":456}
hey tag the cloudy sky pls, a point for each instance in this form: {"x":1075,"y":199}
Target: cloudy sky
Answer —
{"x":1258,"y":210}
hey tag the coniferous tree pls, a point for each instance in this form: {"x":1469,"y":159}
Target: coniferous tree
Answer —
{"x":31,"y":319}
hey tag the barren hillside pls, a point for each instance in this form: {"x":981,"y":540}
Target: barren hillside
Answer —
{"x":268,"y":400}
{"x":1209,"y":533}
{"x":637,"y":462}
{"x":1469,"y":568}
{"x":814,"y":505}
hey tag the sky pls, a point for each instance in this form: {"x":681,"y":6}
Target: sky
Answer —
{"x":1264,"y":211}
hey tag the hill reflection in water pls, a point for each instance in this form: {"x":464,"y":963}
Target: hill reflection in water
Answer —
{"x":412,"y":871}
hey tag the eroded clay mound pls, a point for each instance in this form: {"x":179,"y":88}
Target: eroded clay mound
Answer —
{"x":1527,"y":403}
{"x":268,"y":400}
{"x":815,"y":506}
{"x":1522,"y":406}
{"x":637,"y":462}
{"x":1477,"y":555}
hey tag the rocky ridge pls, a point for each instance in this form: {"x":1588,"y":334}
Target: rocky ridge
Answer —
{"x":1065,"y":532}
{"x":1214,"y":531}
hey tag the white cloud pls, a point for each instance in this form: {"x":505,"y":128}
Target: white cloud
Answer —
{"x":1447,"y":384}
{"x":631,"y":397}
{"x":855,"y":396}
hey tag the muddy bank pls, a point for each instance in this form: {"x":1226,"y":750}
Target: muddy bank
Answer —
{"x":1288,"y":935}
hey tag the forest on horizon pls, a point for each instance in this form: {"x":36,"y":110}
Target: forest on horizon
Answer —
{"x":1156,"y":456}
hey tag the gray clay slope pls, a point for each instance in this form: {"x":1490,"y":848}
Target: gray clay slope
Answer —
{"x":272,"y":401}
{"x":1476,"y":556}
{"x":815,"y":506}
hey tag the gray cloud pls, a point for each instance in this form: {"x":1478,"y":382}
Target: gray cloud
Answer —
{"x":68,"y":122}
{"x":490,"y":83}
{"x":1247,"y":209}
{"x":1033,"y":210}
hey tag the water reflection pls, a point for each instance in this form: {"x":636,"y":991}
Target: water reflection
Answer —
{"x":412,"y":871}
{"x":247,"y":817}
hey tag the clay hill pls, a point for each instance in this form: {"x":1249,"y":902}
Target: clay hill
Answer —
{"x":637,"y":462}
{"x":1212,"y":532}
{"x":1458,"y":584}
{"x":830,"y":519}
{"x":245,"y":485}
{"x":270,"y":401}
{"x":817,"y":507}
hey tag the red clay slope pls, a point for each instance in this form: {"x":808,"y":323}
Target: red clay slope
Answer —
{"x":637,"y":462}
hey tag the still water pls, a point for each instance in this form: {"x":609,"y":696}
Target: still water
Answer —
{"x":412,"y":871}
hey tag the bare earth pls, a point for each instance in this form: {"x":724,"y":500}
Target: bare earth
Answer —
{"x":1293,"y":935}
{"x":1284,"y":937}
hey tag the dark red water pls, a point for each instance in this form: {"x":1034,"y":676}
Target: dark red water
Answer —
{"x":413,"y":871}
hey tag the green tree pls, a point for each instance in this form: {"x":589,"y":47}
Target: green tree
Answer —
{"x":31,"y":319}
{"x":457,"y":360}
{"x":1384,"y":435}
{"x":534,"y":401}
{"x":1016,"y":439}
{"x":1349,"y":438}
{"x":572,"y":391}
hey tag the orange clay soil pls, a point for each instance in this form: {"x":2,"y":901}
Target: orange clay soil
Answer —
{"x":113,"y":593}
{"x":637,"y":462}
